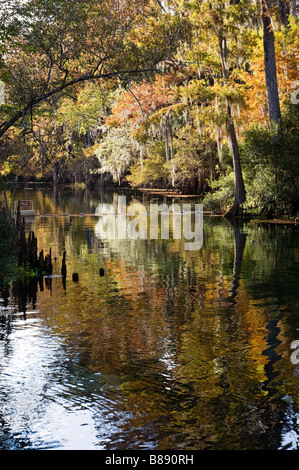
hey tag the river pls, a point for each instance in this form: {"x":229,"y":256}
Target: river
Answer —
{"x":164,"y":348}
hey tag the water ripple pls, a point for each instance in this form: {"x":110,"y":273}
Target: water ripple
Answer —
{"x":43,"y":398}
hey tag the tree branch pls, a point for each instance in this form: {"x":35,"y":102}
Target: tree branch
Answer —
{"x":44,"y":96}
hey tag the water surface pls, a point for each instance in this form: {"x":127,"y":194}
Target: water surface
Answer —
{"x":170,"y":349}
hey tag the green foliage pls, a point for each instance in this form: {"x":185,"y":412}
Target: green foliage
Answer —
{"x":87,"y":111}
{"x":23,"y":274}
{"x":153,"y":171}
{"x":8,"y":258}
{"x":10,"y":270}
{"x":194,"y":159}
{"x":221,"y":195}
{"x":270,"y":192}
{"x":271,"y":167}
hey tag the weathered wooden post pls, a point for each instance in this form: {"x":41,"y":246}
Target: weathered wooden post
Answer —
{"x":48,"y":263}
{"x":63,"y":266}
{"x":22,"y":245}
{"x":102,"y":272}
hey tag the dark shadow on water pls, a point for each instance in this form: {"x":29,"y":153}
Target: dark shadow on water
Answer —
{"x":24,"y":292}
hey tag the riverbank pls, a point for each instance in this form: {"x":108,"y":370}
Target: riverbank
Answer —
{"x":168,"y":193}
{"x":258,"y":218}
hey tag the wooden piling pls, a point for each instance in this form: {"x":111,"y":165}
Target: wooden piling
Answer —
{"x":48,"y":267}
{"x":19,"y":217}
{"x":101,"y":272}
{"x":63,"y":266}
{"x":22,"y":245}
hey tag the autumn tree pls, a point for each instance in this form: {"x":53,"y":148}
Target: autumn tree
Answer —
{"x":220,"y":36}
{"x":51,"y":46}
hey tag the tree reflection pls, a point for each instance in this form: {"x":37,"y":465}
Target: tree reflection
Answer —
{"x":197,"y":342}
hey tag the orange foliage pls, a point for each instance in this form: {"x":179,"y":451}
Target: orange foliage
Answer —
{"x":287,"y":58}
{"x":141,"y":100}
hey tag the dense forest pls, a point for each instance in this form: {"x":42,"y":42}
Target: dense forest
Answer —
{"x":196,"y":97}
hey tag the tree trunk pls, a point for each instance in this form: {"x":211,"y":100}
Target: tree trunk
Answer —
{"x":169,"y":143}
{"x":240,"y":241}
{"x":284,"y":11}
{"x":293,"y":8}
{"x":240,"y":193}
{"x":141,"y":150}
{"x":270,"y":66}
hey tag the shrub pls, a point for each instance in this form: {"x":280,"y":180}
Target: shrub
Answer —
{"x":270,"y":165}
{"x":221,"y":195}
{"x":8,"y":256}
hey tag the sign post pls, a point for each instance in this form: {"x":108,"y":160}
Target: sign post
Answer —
{"x":26,"y":208}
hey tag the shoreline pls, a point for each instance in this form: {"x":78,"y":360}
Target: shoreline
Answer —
{"x":170,"y":193}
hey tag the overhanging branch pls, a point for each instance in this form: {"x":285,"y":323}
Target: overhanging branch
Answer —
{"x":44,"y":96}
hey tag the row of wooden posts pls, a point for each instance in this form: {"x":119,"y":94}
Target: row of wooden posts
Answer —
{"x":28,"y":253}
{"x":28,"y":249}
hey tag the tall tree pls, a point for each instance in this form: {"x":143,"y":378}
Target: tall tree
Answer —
{"x":218,"y":27}
{"x":240,"y":193}
{"x":270,"y":64}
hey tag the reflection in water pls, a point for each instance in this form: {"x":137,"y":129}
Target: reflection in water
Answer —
{"x":168,"y":349}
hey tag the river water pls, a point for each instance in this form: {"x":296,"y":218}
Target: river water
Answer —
{"x":169,"y":349}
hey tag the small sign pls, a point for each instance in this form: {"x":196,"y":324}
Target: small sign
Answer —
{"x":24,"y":205}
